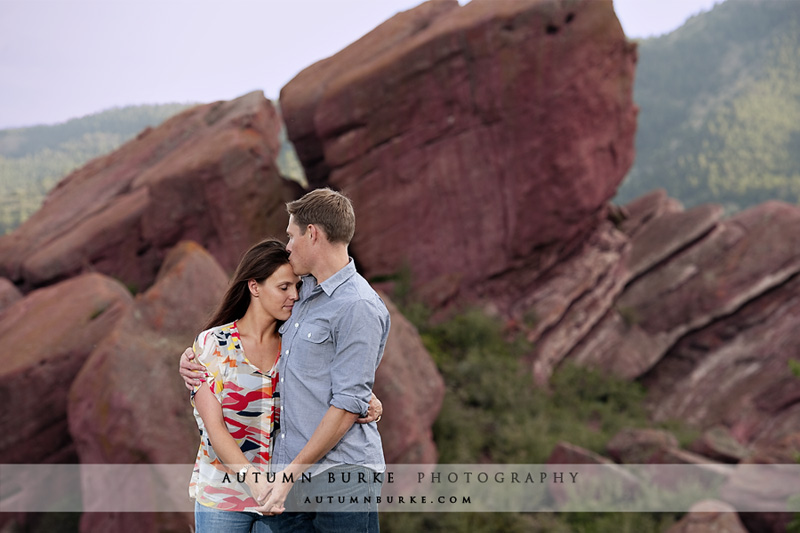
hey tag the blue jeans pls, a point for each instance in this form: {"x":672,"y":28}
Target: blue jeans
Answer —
{"x":329,"y":490}
{"x":210,"y":520}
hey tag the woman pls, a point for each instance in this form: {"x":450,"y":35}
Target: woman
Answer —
{"x":235,"y":407}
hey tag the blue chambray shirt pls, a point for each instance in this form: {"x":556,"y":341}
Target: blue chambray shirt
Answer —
{"x":331,"y":347}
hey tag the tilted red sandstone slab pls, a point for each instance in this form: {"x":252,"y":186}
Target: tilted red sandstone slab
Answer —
{"x":128,"y":405}
{"x":47,"y":336}
{"x":742,"y":258}
{"x":769,"y":488}
{"x":300,"y":98}
{"x":735,"y":372}
{"x":638,"y":446}
{"x":576,"y":294}
{"x":641,"y":211}
{"x":669,"y":233}
{"x":207,"y":174}
{"x":570,"y":298}
{"x":475,"y":141}
{"x":8,"y":294}
{"x":565,"y":453}
{"x":709,"y":516}
{"x":718,"y":444}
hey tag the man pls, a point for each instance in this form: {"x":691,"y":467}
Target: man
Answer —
{"x":332,"y":345}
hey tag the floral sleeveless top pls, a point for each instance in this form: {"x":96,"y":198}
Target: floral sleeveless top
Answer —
{"x":250,"y":409}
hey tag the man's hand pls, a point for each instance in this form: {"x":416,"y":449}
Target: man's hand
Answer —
{"x":275,"y":495}
{"x":191,"y":372}
{"x":374,"y":411}
{"x":259,"y":487}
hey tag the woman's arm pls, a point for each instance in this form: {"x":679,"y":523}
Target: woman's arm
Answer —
{"x":223,"y":443}
{"x":193,"y":373}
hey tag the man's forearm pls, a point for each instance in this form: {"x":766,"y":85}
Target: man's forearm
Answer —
{"x":329,"y":432}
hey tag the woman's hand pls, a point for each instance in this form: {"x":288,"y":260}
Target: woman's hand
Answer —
{"x":374,"y":411}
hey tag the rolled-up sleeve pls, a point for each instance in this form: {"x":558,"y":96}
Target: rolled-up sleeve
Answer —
{"x":360,"y":337}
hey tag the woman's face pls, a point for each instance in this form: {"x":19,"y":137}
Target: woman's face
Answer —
{"x":278,"y":293}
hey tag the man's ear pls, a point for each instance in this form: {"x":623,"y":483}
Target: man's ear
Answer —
{"x":313,"y":232}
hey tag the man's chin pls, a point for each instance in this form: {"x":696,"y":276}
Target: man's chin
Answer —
{"x":297,"y":270}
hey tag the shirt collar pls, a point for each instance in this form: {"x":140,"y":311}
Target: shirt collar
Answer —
{"x":333,"y":282}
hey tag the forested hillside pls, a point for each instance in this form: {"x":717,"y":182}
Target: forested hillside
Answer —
{"x":720,"y":107}
{"x":34,"y":159}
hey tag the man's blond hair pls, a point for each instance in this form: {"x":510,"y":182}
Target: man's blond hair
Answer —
{"x":330,"y":210}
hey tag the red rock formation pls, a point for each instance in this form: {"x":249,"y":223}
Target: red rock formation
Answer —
{"x":475,"y":141}
{"x":571,"y":298}
{"x":565,"y":453}
{"x":47,"y":336}
{"x":580,"y":292}
{"x":740,"y":259}
{"x":735,"y":372}
{"x":128,"y":405}
{"x":639,"y":212}
{"x":480,"y":145}
{"x":765,"y":488}
{"x":594,"y":488}
{"x":709,"y":516}
{"x":638,"y":446}
{"x":718,"y":444}
{"x":412,"y":390}
{"x":207,"y":174}
{"x":8,"y":294}
{"x":668,"y":234}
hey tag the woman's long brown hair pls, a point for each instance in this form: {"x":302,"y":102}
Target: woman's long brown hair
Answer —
{"x":258,"y":263}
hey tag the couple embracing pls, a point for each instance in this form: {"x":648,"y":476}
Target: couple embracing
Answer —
{"x":284,"y":383}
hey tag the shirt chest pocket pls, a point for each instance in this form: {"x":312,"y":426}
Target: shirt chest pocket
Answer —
{"x":314,"y":349}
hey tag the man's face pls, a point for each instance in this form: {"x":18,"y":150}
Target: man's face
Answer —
{"x":298,"y":248}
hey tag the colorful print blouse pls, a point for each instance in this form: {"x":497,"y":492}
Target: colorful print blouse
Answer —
{"x":249,"y":408}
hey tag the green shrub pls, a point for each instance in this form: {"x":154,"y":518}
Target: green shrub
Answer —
{"x":493,"y":413}
{"x":794,"y":366}
{"x":794,"y":502}
{"x":472,"y":522}
{"x":619,"y":522}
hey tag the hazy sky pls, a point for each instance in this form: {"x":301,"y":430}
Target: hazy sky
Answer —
{"x":65,"y":58}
